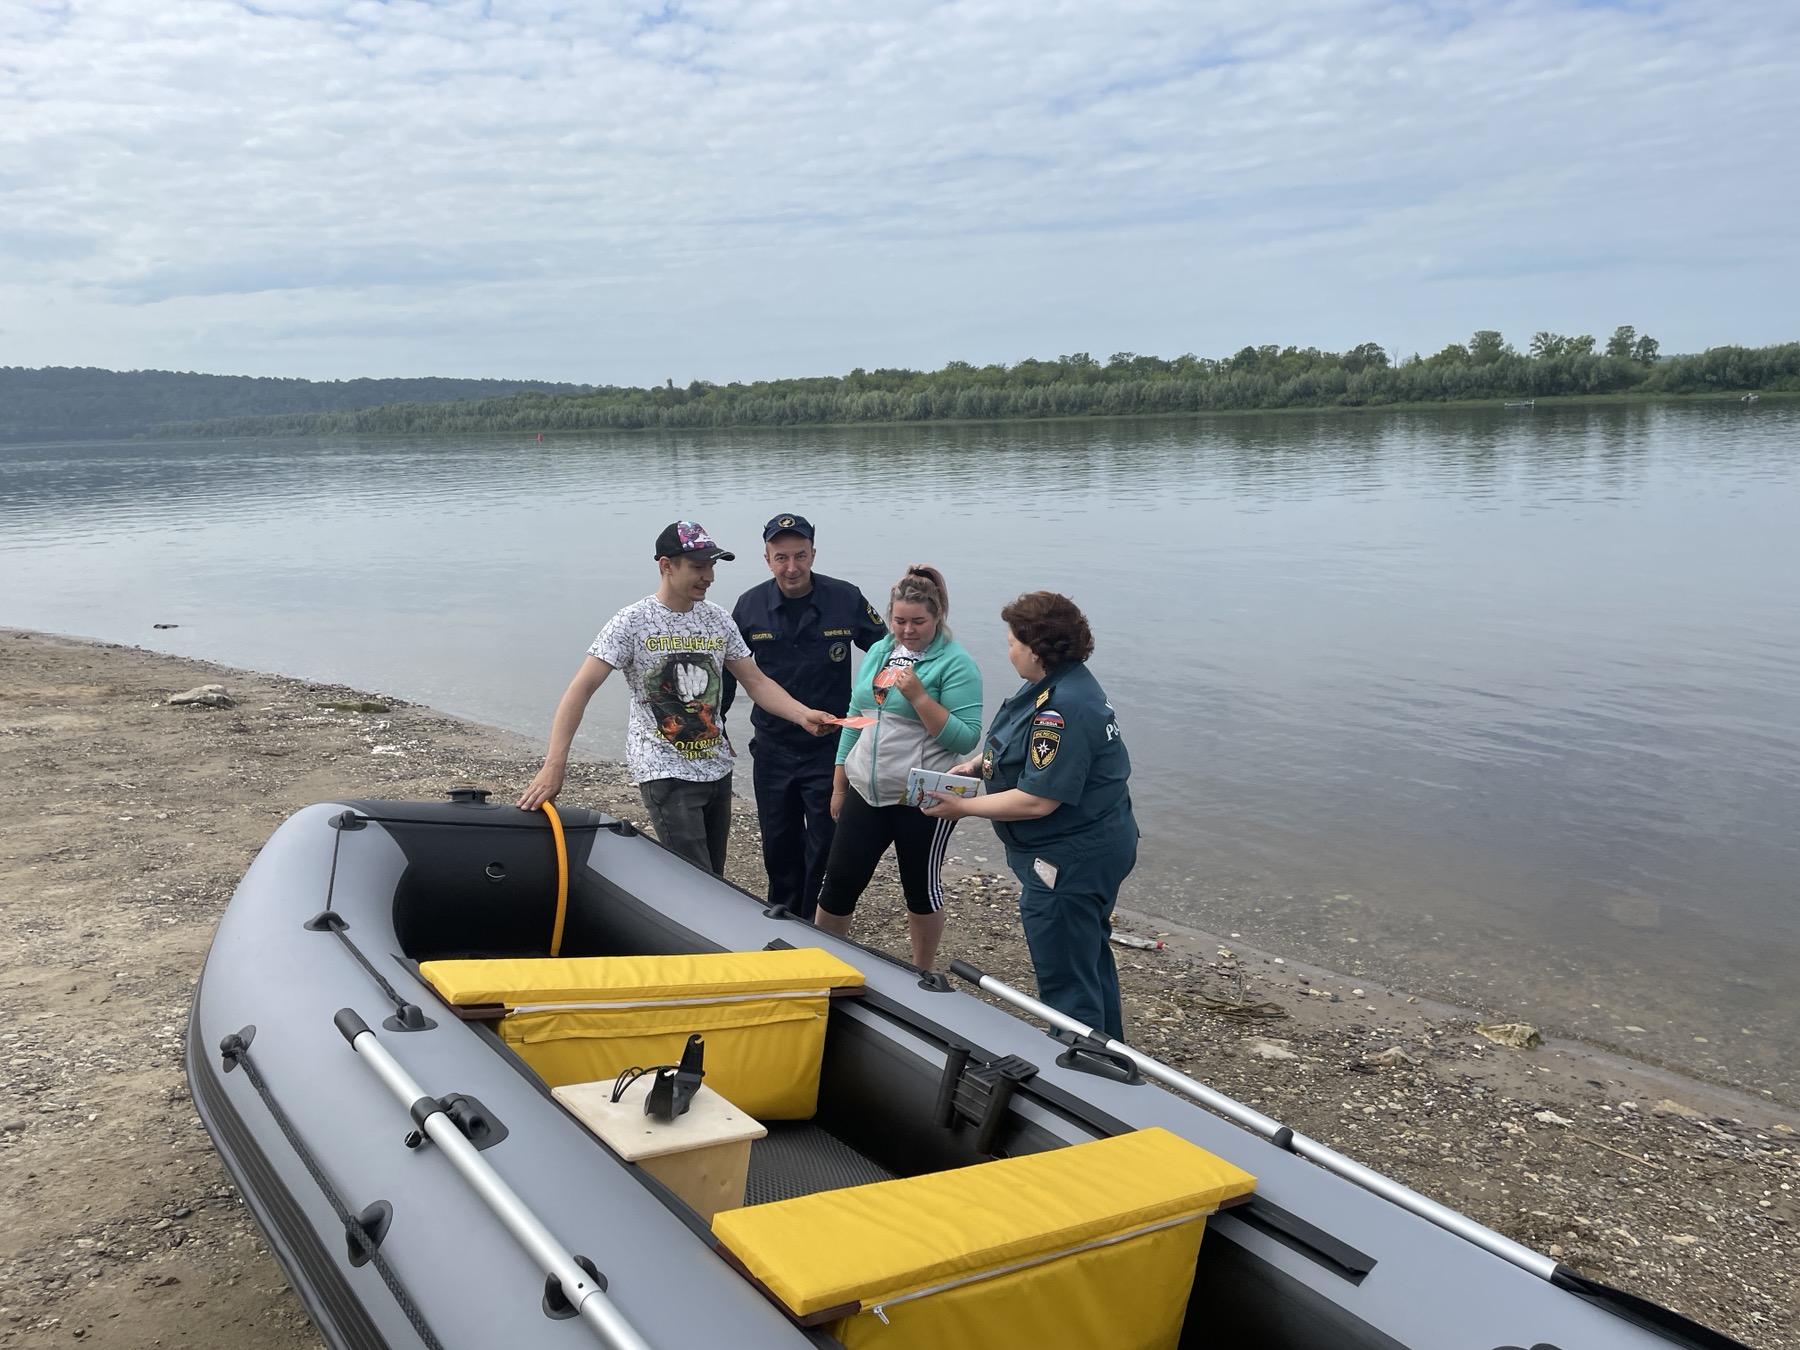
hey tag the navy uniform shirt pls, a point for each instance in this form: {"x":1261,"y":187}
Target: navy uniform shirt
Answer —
{"x":809,"y":658}
{"x":1058,"y":738}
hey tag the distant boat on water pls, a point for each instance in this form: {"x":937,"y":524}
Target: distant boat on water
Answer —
{"x":1748,"y":398}
{"x":1522,"y":403}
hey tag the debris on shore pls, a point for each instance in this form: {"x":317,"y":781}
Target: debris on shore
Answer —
{"x":207,"y":695}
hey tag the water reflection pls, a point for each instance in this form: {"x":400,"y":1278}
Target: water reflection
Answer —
{"x":1524,"y":680}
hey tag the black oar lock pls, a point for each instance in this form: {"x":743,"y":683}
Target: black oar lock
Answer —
{"x":673,"y":1088}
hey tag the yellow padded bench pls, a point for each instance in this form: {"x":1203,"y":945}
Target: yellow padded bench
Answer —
{"x":1092,"y":1245}
{"x":584,"y":1018}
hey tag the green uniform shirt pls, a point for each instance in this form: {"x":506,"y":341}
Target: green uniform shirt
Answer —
{"x":1059,"y":738}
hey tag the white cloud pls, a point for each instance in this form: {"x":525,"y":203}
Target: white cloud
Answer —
{"x":616,"y":192}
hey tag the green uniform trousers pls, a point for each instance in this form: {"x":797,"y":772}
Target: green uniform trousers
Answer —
{"x":1068,"y":926}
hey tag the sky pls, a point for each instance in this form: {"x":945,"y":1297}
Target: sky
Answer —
{"x":617,"y":193}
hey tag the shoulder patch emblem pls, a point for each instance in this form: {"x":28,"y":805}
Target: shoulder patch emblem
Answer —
{"x":1048,"y":717}
{"x":1042,"y":698}
{"x":874,"y":618}
{"x":1045,"y":742}
{"x":838,"y":651}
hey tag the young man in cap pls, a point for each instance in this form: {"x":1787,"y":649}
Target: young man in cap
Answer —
{"x":676,"y":649}
{"x":800,"y":625}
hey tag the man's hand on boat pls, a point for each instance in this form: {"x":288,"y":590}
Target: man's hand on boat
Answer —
{"x":543,"y":788}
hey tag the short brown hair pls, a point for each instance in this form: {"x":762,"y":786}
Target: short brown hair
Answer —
{"x":1050,"y":624}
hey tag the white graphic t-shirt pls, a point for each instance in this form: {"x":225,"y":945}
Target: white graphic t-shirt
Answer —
{"x":675,"y":665}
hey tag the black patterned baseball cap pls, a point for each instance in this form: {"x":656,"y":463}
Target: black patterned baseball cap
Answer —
{"x":687,"y":538}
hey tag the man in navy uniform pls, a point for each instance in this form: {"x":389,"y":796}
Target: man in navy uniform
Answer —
{"x":800,"y":625}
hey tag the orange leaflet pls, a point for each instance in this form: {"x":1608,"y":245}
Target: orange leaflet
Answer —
{"x":858,"y":721}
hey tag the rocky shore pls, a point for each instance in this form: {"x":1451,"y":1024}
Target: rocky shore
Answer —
{"x":129,"y":821}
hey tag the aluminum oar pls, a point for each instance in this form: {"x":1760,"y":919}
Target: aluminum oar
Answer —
{"x":579,"y":1288}
{"x":1276,"y":1133}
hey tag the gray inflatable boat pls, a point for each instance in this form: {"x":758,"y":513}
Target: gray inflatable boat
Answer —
{"x":406,"y":1046}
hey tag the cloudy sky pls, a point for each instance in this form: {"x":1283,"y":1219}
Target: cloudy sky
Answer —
{"x":596,"y":191}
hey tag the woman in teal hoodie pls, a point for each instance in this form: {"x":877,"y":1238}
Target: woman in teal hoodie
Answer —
{"x":924,"y":693}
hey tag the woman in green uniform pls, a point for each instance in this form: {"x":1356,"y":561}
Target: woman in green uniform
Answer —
{"x":1055,"y":785}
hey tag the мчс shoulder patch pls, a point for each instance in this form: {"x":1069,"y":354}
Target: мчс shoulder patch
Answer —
{"x":1045,"y":742}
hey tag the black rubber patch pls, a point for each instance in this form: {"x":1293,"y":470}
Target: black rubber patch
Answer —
{"x":373,"y":1224}
{"x":1088,"y":1054}
{"x":480,"y":1126}
{"x":556,"y":1305}
{"x":1642,"y":1312}
{"x":234,"y":1045}
{"x":1311,"y":1241}
{"x":408,"y":1017}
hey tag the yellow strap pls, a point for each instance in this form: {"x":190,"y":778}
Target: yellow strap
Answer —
{"x":562,"y":879}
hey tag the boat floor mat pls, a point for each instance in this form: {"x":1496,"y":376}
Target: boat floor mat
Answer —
{"x":798,"y":1158}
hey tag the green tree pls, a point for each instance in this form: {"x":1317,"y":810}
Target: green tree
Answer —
{"x":1624,"y":338}
{"x":1545,"y":344}
{"x":1487,"y":347}
{"x":1581,"y":346}
{"x":1365,"y":356}
{"x":1645,"y":349}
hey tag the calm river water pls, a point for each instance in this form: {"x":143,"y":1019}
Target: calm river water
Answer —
{"x":1503,"y":706}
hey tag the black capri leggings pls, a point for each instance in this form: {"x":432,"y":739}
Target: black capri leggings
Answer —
{"x":863,"y":835}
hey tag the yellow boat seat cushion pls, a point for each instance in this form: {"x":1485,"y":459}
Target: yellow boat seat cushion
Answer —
{"x":582,"y":1019}
{"x":1092,"y":1245}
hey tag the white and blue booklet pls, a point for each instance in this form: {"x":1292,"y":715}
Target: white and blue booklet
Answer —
{"x":919,"y":782}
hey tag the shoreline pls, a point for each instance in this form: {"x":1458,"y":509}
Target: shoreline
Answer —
{"x":1777,"y":398}
{"x":552,"y":434}
{"x":134,"y":820}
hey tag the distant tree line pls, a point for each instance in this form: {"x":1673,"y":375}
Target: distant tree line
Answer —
{"x":69,"y":404}
{"x":58,"y":403}
{"x":1078,"y":385}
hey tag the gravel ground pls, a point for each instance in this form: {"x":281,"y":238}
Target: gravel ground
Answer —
{"x":129,"y":822}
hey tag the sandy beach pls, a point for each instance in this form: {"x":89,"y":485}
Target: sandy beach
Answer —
{"x":129,"y":822}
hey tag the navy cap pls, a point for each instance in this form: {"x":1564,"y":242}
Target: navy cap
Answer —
{"x":787,"y":524}
{"x":686,"y":538}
